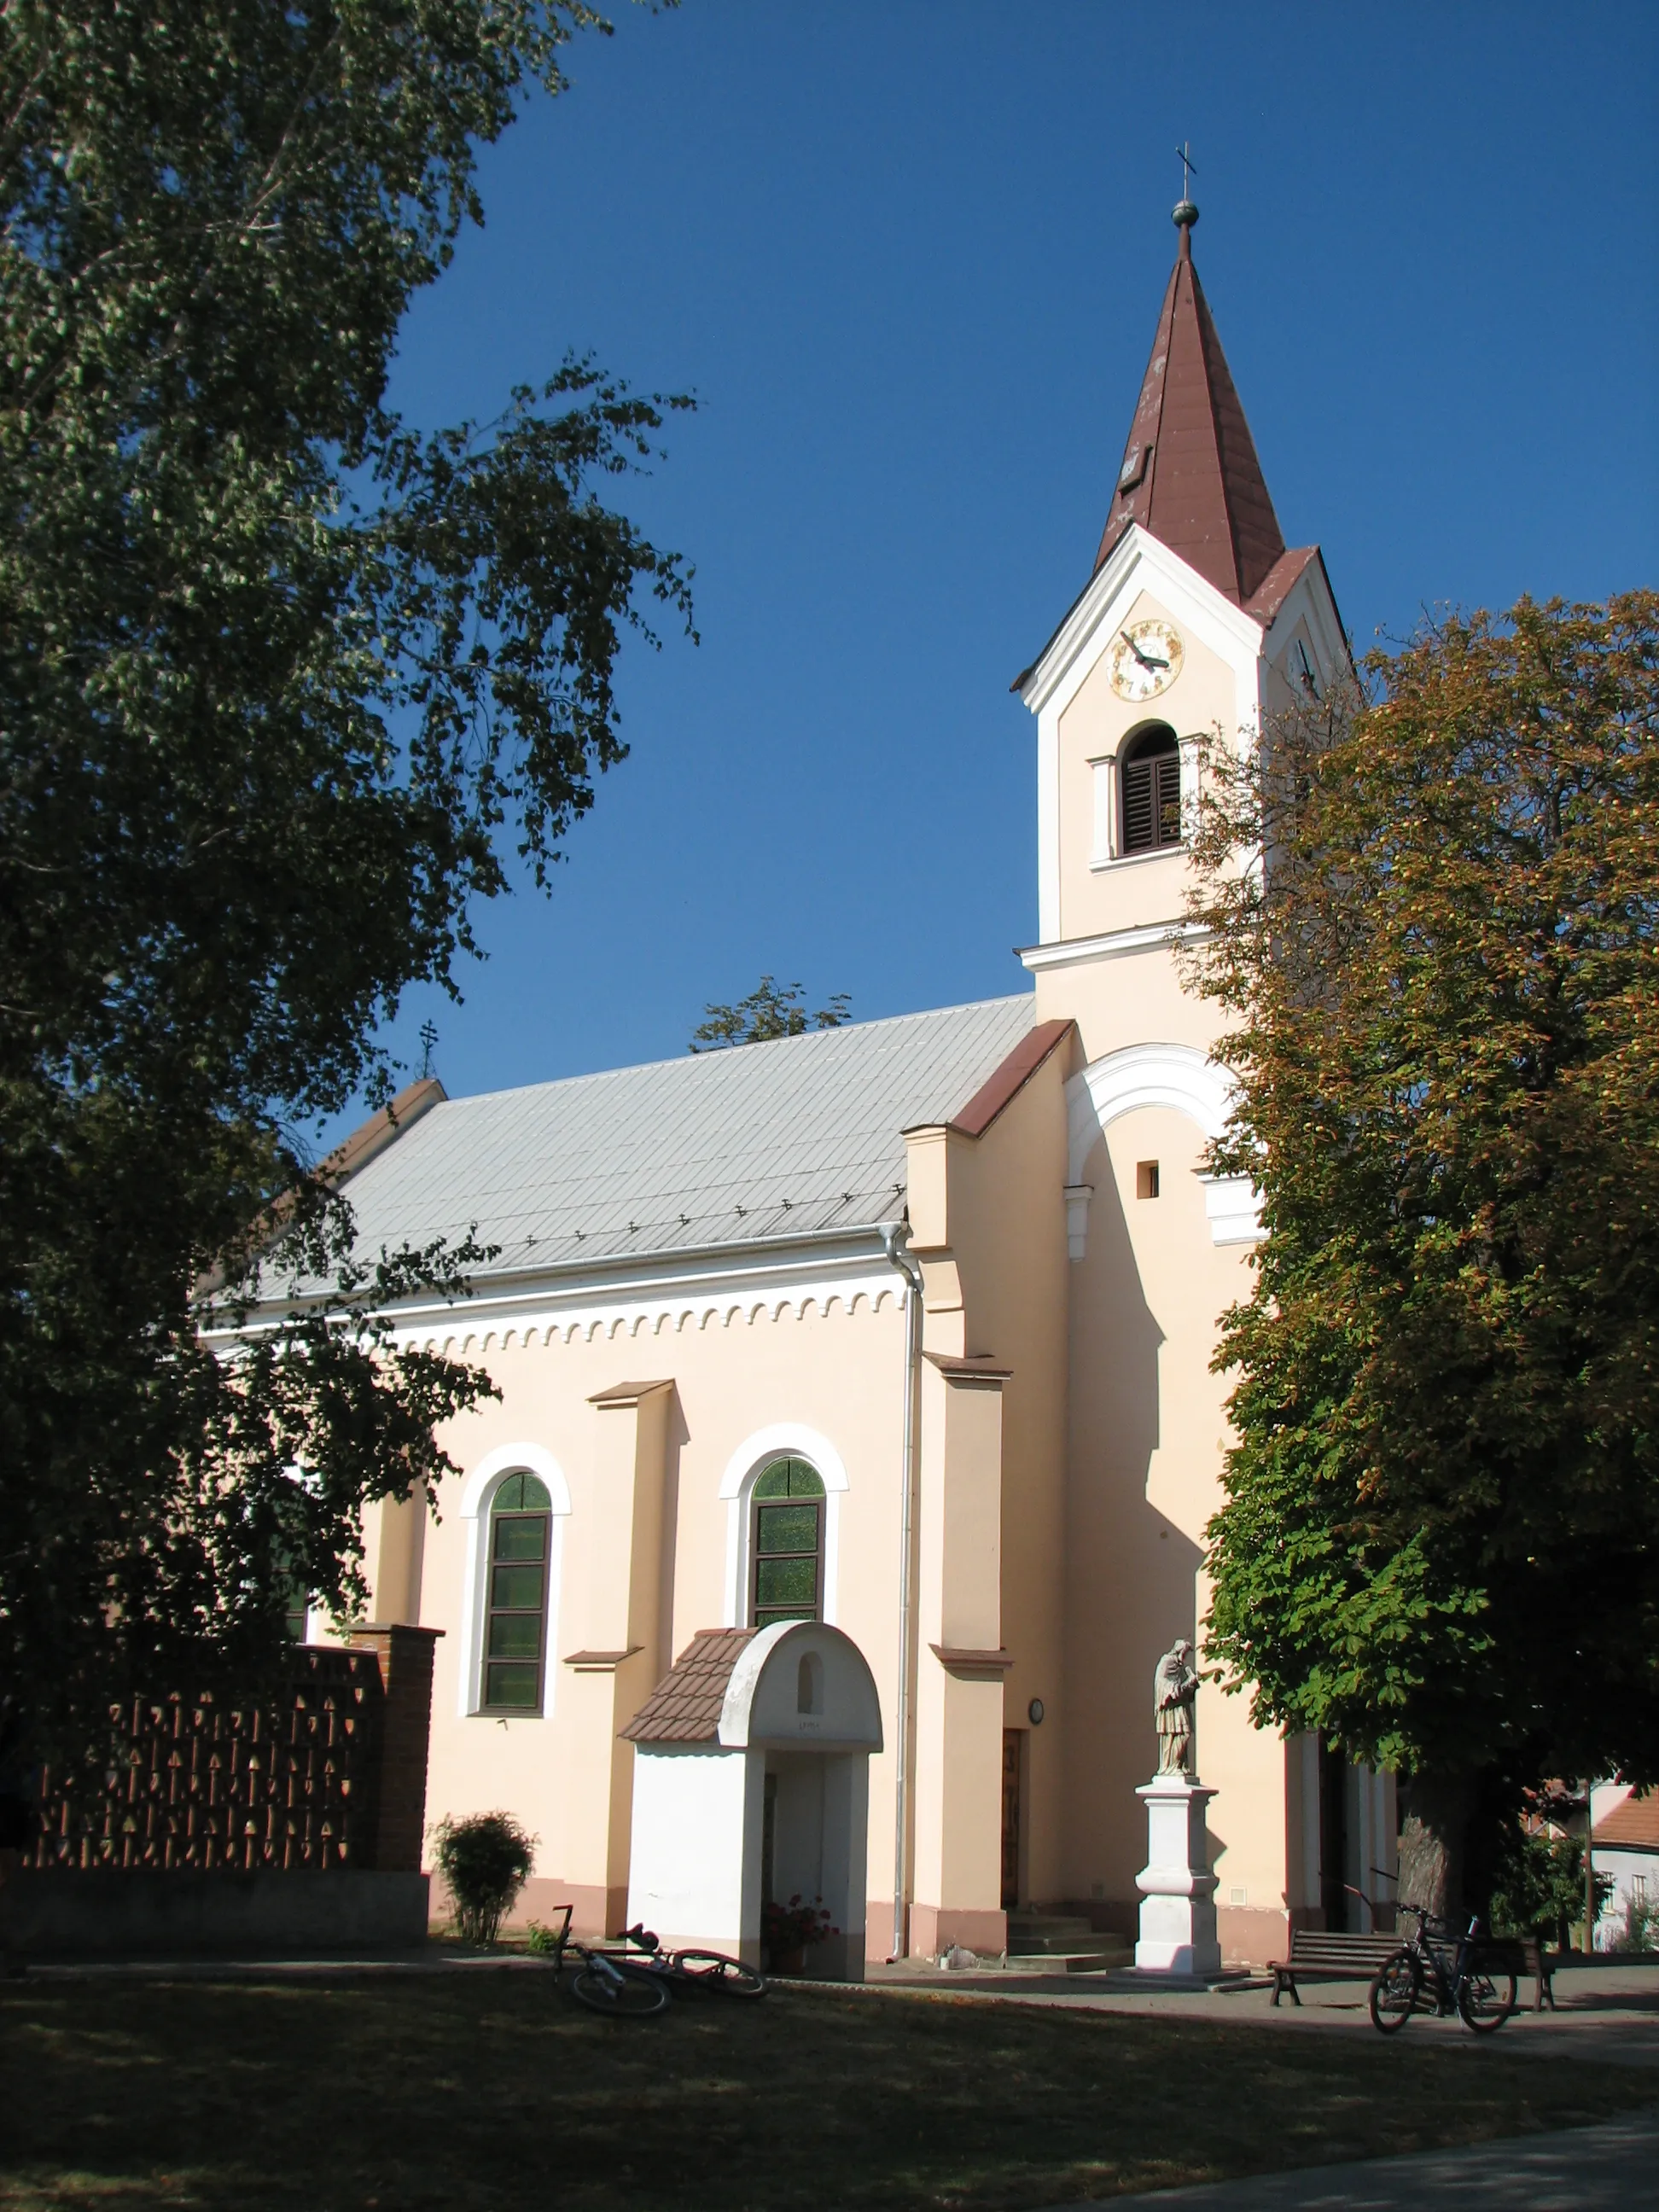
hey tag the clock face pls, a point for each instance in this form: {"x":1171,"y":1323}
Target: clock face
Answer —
{"x":1145,"y":660}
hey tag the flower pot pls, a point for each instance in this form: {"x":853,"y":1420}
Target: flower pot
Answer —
{"x":793,"y":1961}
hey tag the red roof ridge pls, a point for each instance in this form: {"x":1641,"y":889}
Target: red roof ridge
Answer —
{"x":1009,"y":1078}
{"x":371,"y":1137}
{"x":1189,"y":474}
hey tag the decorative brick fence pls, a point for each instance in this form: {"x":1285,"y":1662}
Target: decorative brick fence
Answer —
{"x":296,"y":1823}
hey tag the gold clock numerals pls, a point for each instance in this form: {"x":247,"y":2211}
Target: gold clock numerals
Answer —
{"x":1145,"y":660}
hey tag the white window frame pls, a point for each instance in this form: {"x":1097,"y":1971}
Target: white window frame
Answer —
{"x":477,"y":1501}
{"x":1106,"y":836}
{"x":743,"y":1469}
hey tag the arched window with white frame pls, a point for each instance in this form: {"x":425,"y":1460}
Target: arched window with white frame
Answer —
{"x":515,"y":1605}
{"x":802,"y":1547}
{"x":514,"y":1505}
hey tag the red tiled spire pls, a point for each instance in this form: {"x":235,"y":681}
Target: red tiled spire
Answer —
{"x":1190,"y":476}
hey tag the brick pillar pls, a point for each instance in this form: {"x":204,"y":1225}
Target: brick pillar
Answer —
{"x":405,"y":1655}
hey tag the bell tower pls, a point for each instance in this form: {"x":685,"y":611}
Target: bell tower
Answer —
{"x":1196,"y":616}
{"x":1196,"y":619}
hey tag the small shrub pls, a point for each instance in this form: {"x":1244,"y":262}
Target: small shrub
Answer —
{"x":485,"y":1859}
{"x":541,"y":1940}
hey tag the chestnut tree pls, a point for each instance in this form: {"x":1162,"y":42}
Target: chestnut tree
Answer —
{"x":1430,"y":901}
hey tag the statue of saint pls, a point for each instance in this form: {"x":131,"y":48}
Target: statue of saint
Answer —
{"x":1175,"y":1687}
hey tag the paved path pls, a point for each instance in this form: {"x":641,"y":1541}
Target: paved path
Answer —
{"x":1610,"y":2168}
{"x":1603,"y":2012}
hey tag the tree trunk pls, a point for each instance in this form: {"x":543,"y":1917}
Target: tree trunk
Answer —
{"x":1434,"y":1843}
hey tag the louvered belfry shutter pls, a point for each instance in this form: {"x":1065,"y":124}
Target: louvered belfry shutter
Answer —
{"x":1151,"y":797}
{"x":1166,"y":798}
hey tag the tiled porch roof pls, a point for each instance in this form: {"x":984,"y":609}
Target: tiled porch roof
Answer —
{"x":685,"y":1706}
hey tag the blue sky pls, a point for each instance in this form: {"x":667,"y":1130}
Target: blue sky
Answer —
{"x":909,"y":255}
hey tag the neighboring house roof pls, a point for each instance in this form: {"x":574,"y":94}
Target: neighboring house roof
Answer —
{"x":1631,"y":1826}
{"x":1190,"y":474}
{"x":798,"y":1137}
{"x":686,"y":1705}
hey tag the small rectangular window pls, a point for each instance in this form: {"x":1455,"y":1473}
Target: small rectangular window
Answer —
{"x":1146,"y":1178}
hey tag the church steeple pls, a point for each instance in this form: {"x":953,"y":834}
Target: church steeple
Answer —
{"x":1190,"y":476}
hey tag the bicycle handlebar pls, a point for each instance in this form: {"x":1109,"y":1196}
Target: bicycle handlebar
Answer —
{"x":1441,"y":1928}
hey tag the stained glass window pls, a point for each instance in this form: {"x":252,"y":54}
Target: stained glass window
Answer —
{"x":515,"y":1623}
{"x":786,"y":1580}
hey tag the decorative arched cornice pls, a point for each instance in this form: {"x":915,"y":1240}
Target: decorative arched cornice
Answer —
{"x":1174,"y":1075}
{"x":513,"y":1459}
{"x":791,"y":1437}
{"x":1144,"y":1075}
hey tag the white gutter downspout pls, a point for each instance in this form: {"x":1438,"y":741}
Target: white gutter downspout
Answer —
{"x":894,"y":1235}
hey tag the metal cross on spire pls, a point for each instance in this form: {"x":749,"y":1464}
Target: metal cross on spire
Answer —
{"x":1186,"y":214}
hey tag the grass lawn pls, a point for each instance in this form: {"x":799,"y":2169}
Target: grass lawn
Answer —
{"x":484,"y":2089}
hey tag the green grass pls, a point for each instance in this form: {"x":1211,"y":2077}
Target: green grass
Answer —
{"x":481,"y":2090}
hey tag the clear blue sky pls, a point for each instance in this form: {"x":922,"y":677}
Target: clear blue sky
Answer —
{"x":909,"y":255}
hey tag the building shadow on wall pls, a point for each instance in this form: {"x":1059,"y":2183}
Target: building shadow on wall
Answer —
{"x":1132,"y":1573}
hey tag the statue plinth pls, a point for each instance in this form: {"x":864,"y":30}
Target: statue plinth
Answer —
{"x":1177,"y":1890}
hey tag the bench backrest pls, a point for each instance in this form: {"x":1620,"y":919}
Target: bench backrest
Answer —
{"x":1321,"y":1947}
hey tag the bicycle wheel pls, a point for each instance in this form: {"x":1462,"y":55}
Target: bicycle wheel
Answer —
{"x":1395,"y":1992}
{"x":713,"y":1970}
{"x":1486,"y":2000}
{"x":622,"y":1992}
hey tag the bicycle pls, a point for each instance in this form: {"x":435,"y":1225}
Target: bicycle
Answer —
{"x":624,"y":1986}
{"x":616,"y":1987}
{"x":1481,"y":1993}
{"x":699,"y":1972}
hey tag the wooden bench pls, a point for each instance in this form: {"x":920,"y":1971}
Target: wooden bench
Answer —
{"x":1319,"y":1955}
{"x":1522,"y":1954}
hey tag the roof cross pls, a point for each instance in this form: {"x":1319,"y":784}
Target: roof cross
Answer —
{"x":1189,"y":168}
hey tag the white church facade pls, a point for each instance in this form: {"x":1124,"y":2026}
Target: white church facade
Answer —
{"x":904,"y":1328}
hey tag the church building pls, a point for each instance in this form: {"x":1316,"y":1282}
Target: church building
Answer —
{"x":901,"y":1331}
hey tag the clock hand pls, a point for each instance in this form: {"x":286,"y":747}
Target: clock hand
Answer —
{"x":1145,"y":659}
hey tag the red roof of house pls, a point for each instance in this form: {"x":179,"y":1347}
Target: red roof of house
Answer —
{"x":1633,"y":1826}
{"x":1189,"y":474}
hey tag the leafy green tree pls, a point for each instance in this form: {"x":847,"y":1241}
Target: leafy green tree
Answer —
{"x":281,"y":679}
{"x":771,"y":1010}
{"x":1440,"y":1543}
{"x":1538,"y":1883}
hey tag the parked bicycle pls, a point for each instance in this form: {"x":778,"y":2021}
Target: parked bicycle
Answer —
{"x":1438,"y":1973}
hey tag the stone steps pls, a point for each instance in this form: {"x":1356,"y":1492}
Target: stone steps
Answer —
{"x":1065,"y":1942}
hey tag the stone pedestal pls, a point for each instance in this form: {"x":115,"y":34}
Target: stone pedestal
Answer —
{"x":1177,"y":1890}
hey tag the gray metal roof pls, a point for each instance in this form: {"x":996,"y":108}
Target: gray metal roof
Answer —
{"x":797,"y":1136}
